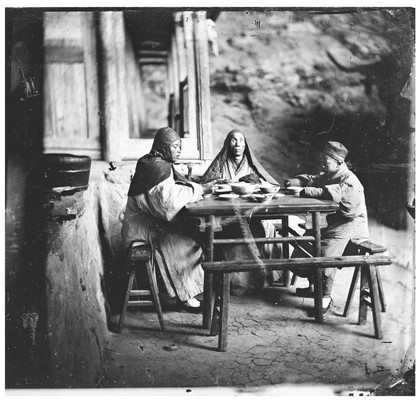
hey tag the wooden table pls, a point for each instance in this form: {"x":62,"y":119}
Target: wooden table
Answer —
{"x":214,"y":213}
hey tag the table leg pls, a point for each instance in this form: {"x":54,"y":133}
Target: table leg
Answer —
{"x":286,"y":250}
{"x":208,"y":277}
{"x":223,"y":328}
{"x":217,"y":305}
{"x":316,"y":218}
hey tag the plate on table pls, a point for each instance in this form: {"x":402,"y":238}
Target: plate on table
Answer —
{"x":228,"y":196}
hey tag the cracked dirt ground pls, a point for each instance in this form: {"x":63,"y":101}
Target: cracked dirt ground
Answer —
{"x":271,"y":341}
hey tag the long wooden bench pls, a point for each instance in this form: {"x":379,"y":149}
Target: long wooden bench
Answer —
{"x":367,"y":264}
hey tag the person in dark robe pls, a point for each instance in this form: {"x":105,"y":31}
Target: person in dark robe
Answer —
{"x":156,"y":195}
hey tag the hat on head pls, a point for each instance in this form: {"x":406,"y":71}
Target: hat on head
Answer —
{"x":335,"y":150}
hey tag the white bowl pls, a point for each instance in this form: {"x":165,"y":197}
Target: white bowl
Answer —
{"x":260,"y":198}
{"x":243,"y":188}
{"x":294,"y":189}
{"x":269,"y":189}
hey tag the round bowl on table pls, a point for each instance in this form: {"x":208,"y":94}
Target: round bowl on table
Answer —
{"x":243,"y":188}
{"x":269,"y":188}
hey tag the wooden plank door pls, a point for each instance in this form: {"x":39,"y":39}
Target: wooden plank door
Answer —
{"x":71,"y":102}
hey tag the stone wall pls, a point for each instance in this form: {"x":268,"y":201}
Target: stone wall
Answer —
{"x":75,"y":305}
{"x":57,"y":325}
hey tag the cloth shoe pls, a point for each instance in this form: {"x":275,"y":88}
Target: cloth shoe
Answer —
{"x":326,"y":305}
{"x":192,"y":303}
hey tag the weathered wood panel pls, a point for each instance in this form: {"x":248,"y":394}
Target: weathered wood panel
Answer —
{"x":135,"y":103}
{"x":65,"y":106}
{"x":71,"y":102}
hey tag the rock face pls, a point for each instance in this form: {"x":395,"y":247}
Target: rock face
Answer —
{"x":289,"y":80}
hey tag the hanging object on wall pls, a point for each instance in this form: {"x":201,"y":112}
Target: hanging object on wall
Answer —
{"x":28,"y":86}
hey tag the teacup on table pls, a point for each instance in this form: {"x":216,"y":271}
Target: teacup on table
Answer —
{"x":294,"y":190}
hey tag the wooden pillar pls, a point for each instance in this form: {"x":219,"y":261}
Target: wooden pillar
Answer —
{"x":180,"y":46}
{"x":203,"y":85}
{"x":191,"y":74}
{"x":175,"y":73}
{"x":115,"y":115}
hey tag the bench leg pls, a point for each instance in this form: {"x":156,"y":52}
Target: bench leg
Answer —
{"x":150,"y":267}
{"x":207,"y":299}
{"x":374,"y":296}
{"x":127,"y":297}
{"x":364,"y":294}
{"x":380,"y":289}
{"x":351,"y":291}
{"x":286,"y":249}
{"x":223,"y":328}
{"x":318,"y":296}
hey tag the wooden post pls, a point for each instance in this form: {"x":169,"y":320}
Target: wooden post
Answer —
{"x":191,"y":76}
{"x":180,"y":45}
{"x":203,"y":86}
{"x":175,"y":74}
{"x":115,"y":117}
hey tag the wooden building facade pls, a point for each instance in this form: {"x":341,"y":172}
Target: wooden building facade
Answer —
{"x":112,"y":78}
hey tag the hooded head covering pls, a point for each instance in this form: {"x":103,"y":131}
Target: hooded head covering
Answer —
{"x":155,"y":167}
{"x":214,"y":171}
{"x":335,"y":150}
{"x":164,"y":137}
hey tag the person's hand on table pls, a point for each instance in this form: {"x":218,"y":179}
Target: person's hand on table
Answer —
{"x":292,"y":182}
{"x":250,"y":178}
{"x":208,"y":187}
{"x":311,"y":192}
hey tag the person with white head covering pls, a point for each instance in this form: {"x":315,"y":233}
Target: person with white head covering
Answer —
{"x":236,"y":162}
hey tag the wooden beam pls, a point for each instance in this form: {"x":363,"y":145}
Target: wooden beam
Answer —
{"x":112,"y":43}
{"x":153,"y":53}
{"x":282,"y":239}
{"x":203,"y":85}
{"x":191,"y":75}
{"x":155,"y":61}
{"x":180,"y":45}
{"x":63,"y":54}
{"x":296,"y":263}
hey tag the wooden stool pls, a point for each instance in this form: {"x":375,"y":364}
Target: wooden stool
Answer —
{"x":139,"y":256}
{"x":371,"y":290}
